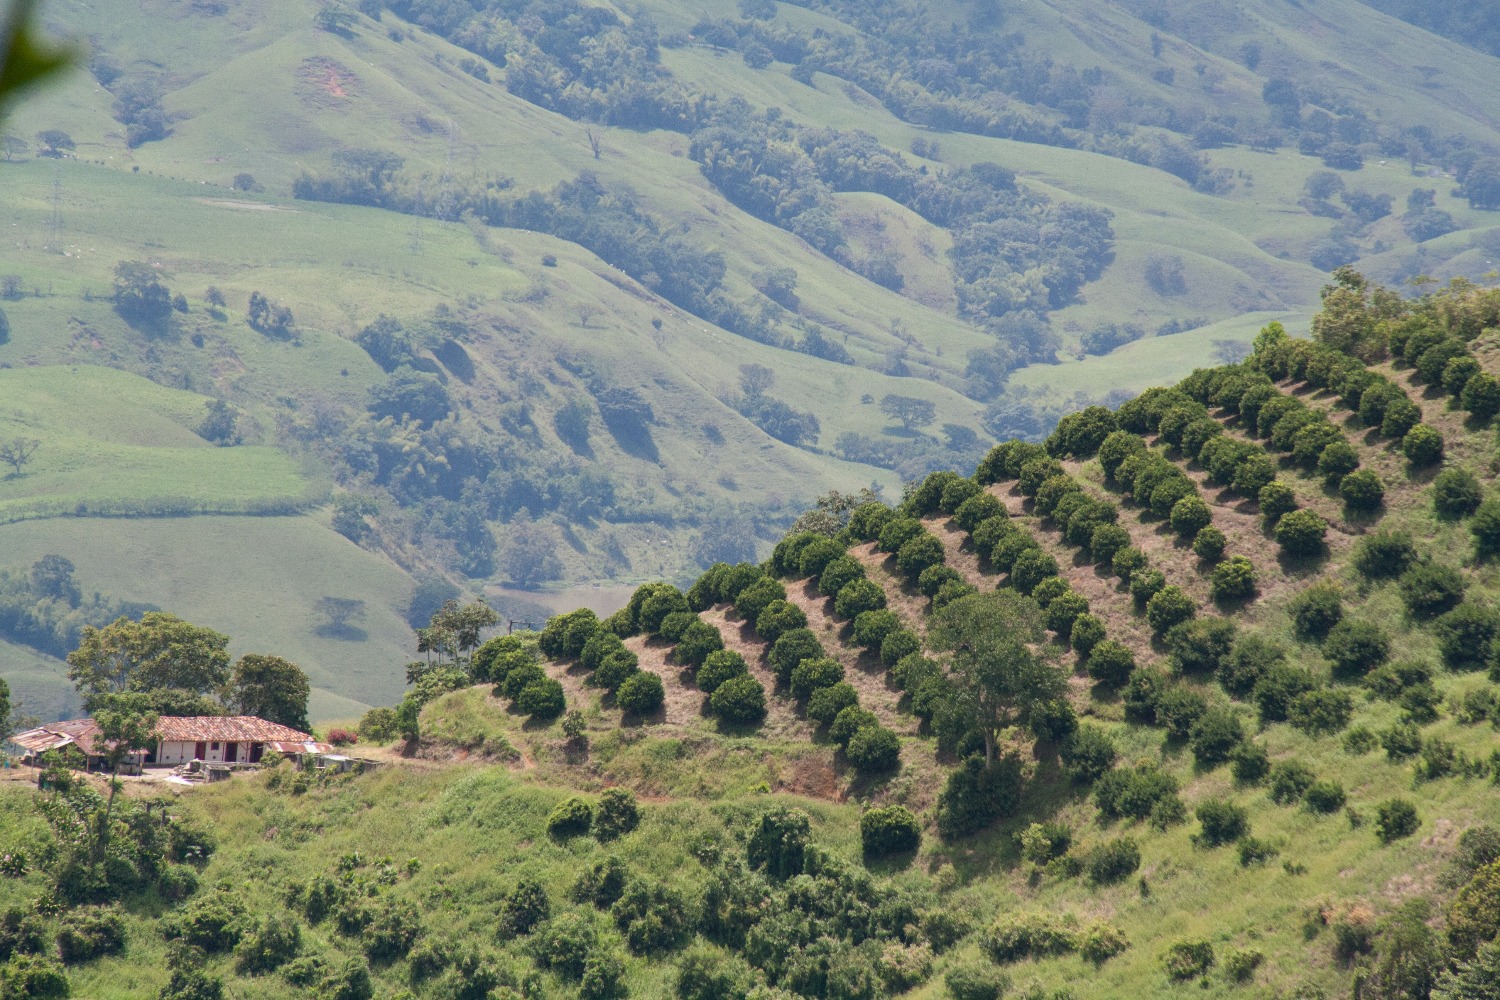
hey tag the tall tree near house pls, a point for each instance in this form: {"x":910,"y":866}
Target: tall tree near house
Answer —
{"x":270,"y":687}
{"x":464,"y":623}
{"x":159,"y":651}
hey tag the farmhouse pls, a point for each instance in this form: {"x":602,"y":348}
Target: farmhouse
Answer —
{"x":226,"y":739}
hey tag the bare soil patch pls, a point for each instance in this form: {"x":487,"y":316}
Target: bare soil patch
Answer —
{"x":782,"y":721}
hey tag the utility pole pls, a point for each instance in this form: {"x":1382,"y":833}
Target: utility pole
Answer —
{"x":55,"y":224}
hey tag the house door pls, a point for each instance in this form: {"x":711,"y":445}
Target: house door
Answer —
{"x":231,"y":752}
{"x":200,"y":750}
{"x":256,"y":749}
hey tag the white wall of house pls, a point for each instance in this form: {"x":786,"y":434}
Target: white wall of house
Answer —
{"x":173,"y":752}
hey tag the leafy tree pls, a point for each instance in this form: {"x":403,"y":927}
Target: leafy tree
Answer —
{"x":1429,"y":589}
{"x":1301,"y":533}
{"x":739,"y":700}
{"x":159,"y":651}
{"x":1422,"y":446}
{"x":528,"y":554}
{"x":139,"y":294}
{"x":1111,"y":663}
{"x":1386,"y":554}
{"x":913,"y":413}
{"x":1234,"y":579}
{"x":1395,"y":819}
{"x":272,"y":688}
{"x":1478,"y":979}
{"x":1356,"y":647}
{"x":641,"y":694}
{"x":999,"y":678}
{"x":1456,"y":493}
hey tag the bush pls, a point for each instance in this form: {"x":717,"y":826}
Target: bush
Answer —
{"x":1031,"y":568}
{"x":826,"y":703}
{"x":1338,"y":460}
{"x":1481,"y":396}
{"x":1112,"y":861}
{"x":791,"y":649}
{"x":709,"y":974}
{"x":1321,"y":712}
{"x":1190,"y":515}
{"x":1134,"y":792}
{"x":1401,"y":415}
{"x":1015,"y":936}
{"x":1429,"y":589}
{"x":564,"y":944}
{"x":1422,"y":446}
{"x":898,"y":645}
{"x":674,"y":625}
{"x":1215,"y":736}
{"x":1146,"y":583}
{"x":87,"y":934}
{"x":1385,"y":554}
{"x":1106,"y":541}
{"x":1111,"y":663}
{"x":871,"y":627}
{"x":616,"y":815}
{"x":1362,"y":490}
{"x":778,"y":842}
{"x":1178,"y":709}
{"x":898,"y":531}
{"x":809,"y":675}
{"x":1248,"y":661}
{"x":977,"y":509}
{"x":1087,"y":632}
{"x":1209,"y":544}
{"x":1289,"y":781}
{"x":848,"y":723}
{"x":1275,"y":501}
{"x":1395,"y":819}
{"x":1316,"y":610}
{"x":641,"y":693}
{"x":1324,"y":796}
{"x":1141,"y":695}
{"x":1188,"y":960}
{"x":777,"y":619}
{"x":857,"y":597}
{"x":527,"y":905}
{"x":1048,"y":590}
{"x":754,"y":598}
{"x":342,"y":737}
{"x":1301,"y":532}
{"x":1277,"y":688}
{"x":1466,"y":635}
{"x":816,"y":555}
{"x":379,"y":725}
{"x":571,"y":817}
{"x":1167,"y":607}
{"x":603,"y":977}
{"x":1474,"y":918}
{"x":739,"y":700}
{"x":873,"y":750}
{"x":932,"y":579}
{"x":1401,"y":741}
{"x":889,"y":830}
{"x":698,"y":642}
{"x":1063,"y":612}
{"x":1201,"y":644}
{"x":868,"y":519}
{"x":918,"y":554}
{"x":1222,"y":822}
{"x":1249,"y":763}
{"x":612,"y":672}
{"x":664,"y":601}
{"x":1253,"y":851}
{"x":653,"y":917}
{"x":1356,"y":647}
{"x":976,"y":982}
{"x":544,"y":699}
{"x":1456,"y":493}
{"x":1126,"y":563}
{"x":838,"y":573}
{"x":1234,"y":579}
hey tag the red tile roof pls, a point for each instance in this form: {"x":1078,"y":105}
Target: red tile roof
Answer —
{"x":187,"y":729}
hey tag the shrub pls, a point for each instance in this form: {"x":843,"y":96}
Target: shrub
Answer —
{"x":826,"y":703}
{"x":653,"y":917}
{"x":1362,"y":490}
{"x":889,"y":830}
{"x":1168,"y":607}
{"x":1356,"y":647}
{"x":697,"y":643}
{"x":519,"y":679}
{"x":571,"y":817}
{"x":564,"y":636}
{"x":1134,"y":792}
{"x":754,"y":598}
{"x":1222,"y":822}
{"x":1087,"y":632}
{"x":1063,"y":612}
{"x":664,"y":601}
{"x":1385,"y":554}
{"x":1324,"y":796}
{"x":1456,"y":493}
{"x":1126,"y":563}
{"x":1277,"y":688}
{"x":1275,"y":501}
{"x":1395,"y":819}
{"x":848,"y":723}
{"x":1338,"y":460}
{"x":1321,"y":712}
{"x":544,"y":699}
{"x":1214,"y":736}
{"x":1178,"y":708}
{"x":898,"y":531}
{"x":1254,"y":851}
{"x":379,"y":725}
{"x":527,"y":905}
{"x":809,"y":675}
{"x":777,"y":619}
{"x":898,"y":645}
{"x":1101,"y":943}
{"x":1481,"y":396}
{"x":1474,"y":917}
{"x":1248,"y":661}
{"x":616,"y":668}
{"x":1289,"y":781}
{"x":1200,"y":644}
{"x":564,"y":944}
{"x":1146,"y":583}
{"x":1015,"y":936}
{"x":1249,"y":763}
{"x":616,"y":814}
{"x":874,"y":749}
{"x":1031,"y":568}
{"x":1234,"y":579}
{"x":871,"y":627}
{"x":977,"y":509}
{"x":739,"y":700}
{"x":1190,"y":515}
{"x":1112,"y":861}
{"x":1401,"y":741}
{"x":1049,"y":589}
{"x":1401,"y":415}
{"x":858,"y":596}
{"x":1252,"y":474}
{"x":918,"y":554}
{"x":1301,"y":532}
{"x":1111,"y":663}
{"x":1360,"y":740}
{"x":1422,"y":446}
{"x":778,"y":842}
{"x":815,"y":556}
{"x":1106,"y":541}
{"x":674,"y":625}
{"x":1429,"y":589}
{"x":1316,"y":610}
{"x":87,"y":934}
{"x":1209,"y":544}
{"x":1141,"y":694}
{"x":976,"y":982}
{"x":838,"y":573}
{"x":342,"y":737}
{"x":1188,"y":960}
{"x":791,"y":649}
{"x":868,"y":519}
{"x":931,"y":579}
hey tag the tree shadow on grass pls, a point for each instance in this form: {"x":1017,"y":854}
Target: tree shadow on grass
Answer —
{"x":341,"y":632}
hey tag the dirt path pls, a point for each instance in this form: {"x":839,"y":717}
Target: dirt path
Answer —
{"x":908,"y":603}
{"x":959,"y":553}
{"x":781,"y":716}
